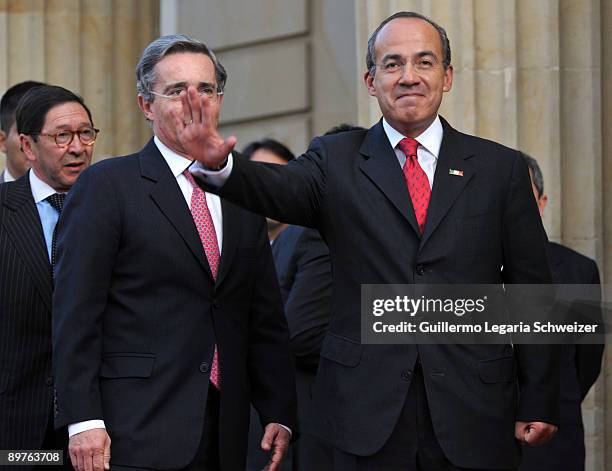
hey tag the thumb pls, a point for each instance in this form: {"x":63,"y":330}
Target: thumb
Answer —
{"x":229,"y":144}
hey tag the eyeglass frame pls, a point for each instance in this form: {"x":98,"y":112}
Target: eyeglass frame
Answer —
{"x":73,"y":133}
{"x":218,"y":93}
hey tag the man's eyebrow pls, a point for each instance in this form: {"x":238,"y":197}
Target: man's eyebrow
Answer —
{"x":393,"y":56}
{"x":426,"y":53}
{"x":175,"y":85}
{"x":184,"y":85}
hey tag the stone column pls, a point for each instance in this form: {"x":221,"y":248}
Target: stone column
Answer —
{"x":88,"y":46}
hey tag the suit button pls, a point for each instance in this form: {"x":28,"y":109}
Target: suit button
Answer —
{"x":204,"y":367}
{"x":216,"y":304}
{"x":406,"y":375}
{"x":49,"y":381}
{"x":420,"y":269}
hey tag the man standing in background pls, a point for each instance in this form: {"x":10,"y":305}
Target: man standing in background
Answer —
{"x":302,"y":263}
{"x":57,"y":134}
{"x":580,"y":363}
{"x":16,"y":162}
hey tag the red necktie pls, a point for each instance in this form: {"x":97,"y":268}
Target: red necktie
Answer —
{"x":416,"y":179}
{"x":208,"y":237}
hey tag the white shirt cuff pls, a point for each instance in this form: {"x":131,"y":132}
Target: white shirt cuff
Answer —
{"x":79,"y":427}
{"x":287,"y":429}
{"x":216,"y":178}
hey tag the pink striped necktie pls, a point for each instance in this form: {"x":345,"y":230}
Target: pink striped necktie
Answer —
{"x":208,"y":237}
{"x":416,"y":180}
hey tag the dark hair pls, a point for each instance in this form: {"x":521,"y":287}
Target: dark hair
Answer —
{"x":268,"y":144}
{"x":536,"y":173}
{"x":9,"y":101}
{"x":371,"y":52}
{"x":33,"y":107}
{"x":344,"y":127}
{"x":164,"y":46}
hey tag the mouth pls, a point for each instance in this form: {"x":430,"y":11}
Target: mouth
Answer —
{"x":409,"y":96}
{"x":75,"y":165}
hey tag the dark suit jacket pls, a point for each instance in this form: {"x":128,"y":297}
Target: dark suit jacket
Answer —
{"x":302,"y":264}
{"x":2,"y":176}
{"x":351,"y":188}
{"x":581,"y":363}
{"x":26,"y":392}
{"x":580,"y":367}
{"x":138,"y":314}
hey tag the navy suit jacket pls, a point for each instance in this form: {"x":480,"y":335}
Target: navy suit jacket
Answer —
{"x":26,"y":390}
{"x":580,"y":363}
{"x":138,"y":315}
{"x":350,"y":187}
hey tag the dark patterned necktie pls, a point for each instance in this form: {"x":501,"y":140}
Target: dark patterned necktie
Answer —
{"x":416,"y":179}
{"x":57,"y":201}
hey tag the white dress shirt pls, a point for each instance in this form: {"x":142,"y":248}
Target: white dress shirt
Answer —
{"x":429,"y":141}
{"x":8,"y":177}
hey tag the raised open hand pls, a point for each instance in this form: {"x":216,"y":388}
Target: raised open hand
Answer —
{"x":196,"y":130}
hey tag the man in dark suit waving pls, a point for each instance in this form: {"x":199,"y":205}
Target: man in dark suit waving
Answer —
{"x":57,"y":134}
{"x":411,"y":200}
{"x":168,"y":316}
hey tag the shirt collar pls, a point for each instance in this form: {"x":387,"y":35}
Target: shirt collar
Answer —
{"x":430,"y":139}
{"x":177,"y":163}
{"x":40,"y":190}
{"x":8,"y":177}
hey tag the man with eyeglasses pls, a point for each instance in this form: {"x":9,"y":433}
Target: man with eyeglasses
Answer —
{"x":56,"y":135}
{"x":168,"y":319}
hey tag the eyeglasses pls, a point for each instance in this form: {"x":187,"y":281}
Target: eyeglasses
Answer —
{"x":175,"y":93}
{"x":64,"y":138}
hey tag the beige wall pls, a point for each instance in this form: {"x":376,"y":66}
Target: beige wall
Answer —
{"x":290,"y":63}
{"x":88,"y":46}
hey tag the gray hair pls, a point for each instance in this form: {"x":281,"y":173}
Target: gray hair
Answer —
{"x":536,"y":173}
{"x":164,"y":46}
{"x":371,"y":52}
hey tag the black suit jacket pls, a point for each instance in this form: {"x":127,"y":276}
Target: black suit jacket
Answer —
{"x":580,"y":363}
{"x":302,"y":264}
{"x":351,"y":188}
{"x":138,"y":314}
{"x":26,"y":391}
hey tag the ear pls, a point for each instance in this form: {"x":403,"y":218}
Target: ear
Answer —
{"x":368,"y":79}
{"x":542,"y":201}
{"x":145,"y":106}
{"x":3,"y":142}
{"x":448,"y":79}
{"x":26,"y":145}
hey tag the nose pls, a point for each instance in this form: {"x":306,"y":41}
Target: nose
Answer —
{"x":409,"y":75}
{"x":76,"y":147}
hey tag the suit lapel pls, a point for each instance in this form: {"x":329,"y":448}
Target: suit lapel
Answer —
{"x":231,"y":227}
{"x":381,"y":166}
{"x":168,"y":197}
{"x":447,"y":186}
{"x":24,"y":228}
